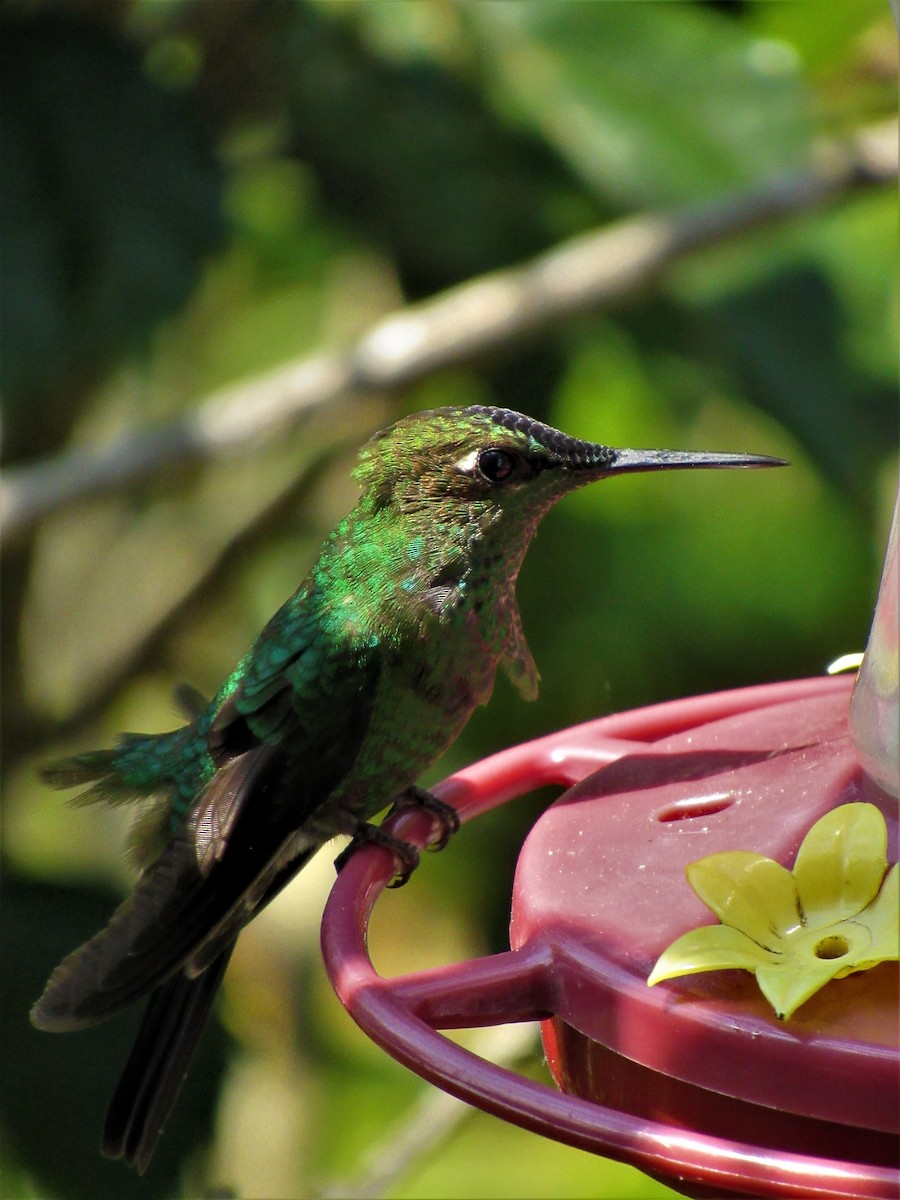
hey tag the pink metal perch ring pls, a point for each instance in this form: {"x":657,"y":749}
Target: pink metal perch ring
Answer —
{"x":693,"y":1081}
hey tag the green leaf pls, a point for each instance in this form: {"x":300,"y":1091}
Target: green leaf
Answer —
{"x":784,"y":339}
{"x":822,"y":35}
{"x":650,"y":103}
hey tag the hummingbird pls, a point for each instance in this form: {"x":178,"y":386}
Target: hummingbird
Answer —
{"x":355,"y":686}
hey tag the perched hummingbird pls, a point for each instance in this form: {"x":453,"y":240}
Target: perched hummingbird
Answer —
{"x":356,"y":685}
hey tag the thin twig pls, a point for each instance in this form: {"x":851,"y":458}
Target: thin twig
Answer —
{"x":429,"y":1124}
{"x":590,"y":272}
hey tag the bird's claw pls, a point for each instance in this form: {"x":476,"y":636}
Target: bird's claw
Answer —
{"x":445,"y":819}
{"x":406,"y":856}
{"x":444,"y":816}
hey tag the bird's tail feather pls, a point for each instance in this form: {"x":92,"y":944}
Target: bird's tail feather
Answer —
{"x":142,"y":765}
{"x":106,"y":779}
{"x":145,"y":942}
{"x":183,"y":910}
{"x":100,"y":769}
{"x":175,"y":1017}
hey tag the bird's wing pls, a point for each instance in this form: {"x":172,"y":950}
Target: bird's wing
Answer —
{"x":304,"y":702}
{"x":222,"y":860}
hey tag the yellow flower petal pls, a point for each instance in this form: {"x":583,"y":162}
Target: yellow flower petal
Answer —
{"x":836,"y":914}
{"x":710,"y":948}
{"x":841,"y":864}
{"x":787,"y":987}
{"x":748,"y":892}
{"x":882,"y":919}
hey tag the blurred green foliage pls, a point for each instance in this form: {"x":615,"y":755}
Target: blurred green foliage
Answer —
{"x":195,"y":192}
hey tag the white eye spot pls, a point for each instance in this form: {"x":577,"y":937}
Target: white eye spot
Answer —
{"x":469,"y":464}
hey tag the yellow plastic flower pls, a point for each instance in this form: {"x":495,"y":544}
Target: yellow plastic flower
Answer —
{"x":835,"y":913}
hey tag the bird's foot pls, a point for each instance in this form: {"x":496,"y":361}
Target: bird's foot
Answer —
{"x":444,"y":816}
{"x":406,"y":856}
{"x":445,"y":819}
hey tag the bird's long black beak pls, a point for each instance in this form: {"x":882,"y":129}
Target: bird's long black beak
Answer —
{"x":684,"y":460}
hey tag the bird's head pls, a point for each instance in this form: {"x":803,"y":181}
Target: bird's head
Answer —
{"x":493,"y":460}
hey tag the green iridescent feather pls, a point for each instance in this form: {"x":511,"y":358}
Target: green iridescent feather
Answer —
{"x":356,"y":685}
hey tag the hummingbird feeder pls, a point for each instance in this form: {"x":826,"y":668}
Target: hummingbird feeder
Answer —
{"x":696,"y":1080}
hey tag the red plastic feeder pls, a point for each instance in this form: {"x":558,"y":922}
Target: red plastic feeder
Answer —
{"x":694,"y":1081}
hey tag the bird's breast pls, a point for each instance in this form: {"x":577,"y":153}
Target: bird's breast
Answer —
{"x":428,"y":686}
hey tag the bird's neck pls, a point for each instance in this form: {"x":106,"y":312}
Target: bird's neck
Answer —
{"x":454,"y":568}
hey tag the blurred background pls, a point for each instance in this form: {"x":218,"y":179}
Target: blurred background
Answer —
{"x":195,"y":194}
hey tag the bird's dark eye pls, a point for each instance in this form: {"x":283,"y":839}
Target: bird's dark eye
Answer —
{"x":496,"y":465}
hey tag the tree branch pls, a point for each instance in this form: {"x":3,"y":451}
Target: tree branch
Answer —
{"x":590,"y":272}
